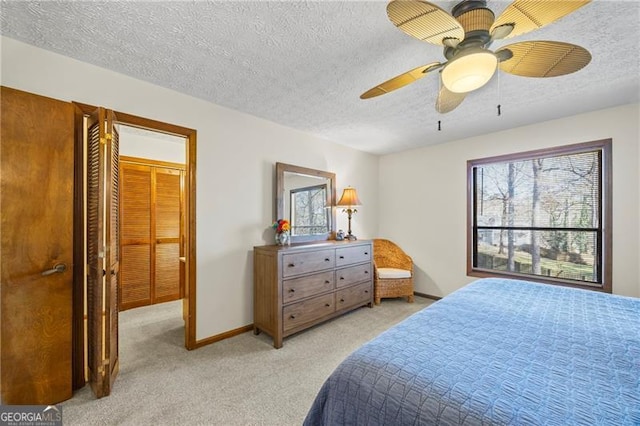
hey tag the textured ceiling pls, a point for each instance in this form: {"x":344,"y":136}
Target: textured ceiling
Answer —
{"x":304,"y":64}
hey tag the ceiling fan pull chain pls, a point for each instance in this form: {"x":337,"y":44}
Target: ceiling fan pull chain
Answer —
{"x":499,"y":96}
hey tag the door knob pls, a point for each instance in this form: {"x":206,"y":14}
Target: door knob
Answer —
{"x":57,"y":269}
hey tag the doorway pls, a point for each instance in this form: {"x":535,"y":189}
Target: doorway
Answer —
{"x":98,"y":321}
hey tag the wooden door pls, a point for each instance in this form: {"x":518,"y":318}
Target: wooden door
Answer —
{"x":37,"y":163}
{"x":135,"y":215}
{"x":167,"y":222}
{"x":102,"y":250}
{"x":151,"y":213}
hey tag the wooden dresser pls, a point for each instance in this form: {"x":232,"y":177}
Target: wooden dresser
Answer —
{"x":298,"y":286}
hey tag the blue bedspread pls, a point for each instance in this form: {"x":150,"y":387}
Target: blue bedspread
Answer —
{"x":496,"y":352}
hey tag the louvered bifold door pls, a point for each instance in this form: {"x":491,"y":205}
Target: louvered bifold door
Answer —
{"x":102,"y":251}
{"x":167,"y":234}
{"x":135,"y":214}
{"x":113,"y":251}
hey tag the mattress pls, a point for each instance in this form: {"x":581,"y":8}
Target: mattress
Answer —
{"x":495,"y":352}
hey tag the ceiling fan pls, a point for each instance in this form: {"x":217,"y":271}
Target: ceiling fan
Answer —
{"x":466,"y":35}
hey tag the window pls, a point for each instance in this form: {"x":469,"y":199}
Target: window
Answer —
{"x":309,"y":214}
{"x":542,"y":215}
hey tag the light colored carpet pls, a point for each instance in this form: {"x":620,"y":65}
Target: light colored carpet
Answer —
{"x":238,"y":381}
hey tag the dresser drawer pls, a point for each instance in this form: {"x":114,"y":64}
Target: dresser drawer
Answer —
{"x":354,"y":295}
{"x":350,"y":255}
{"x":353,"y":274}
{"x":299,"y":288}
{"x":309,"y":310}
{"x":311,"y":261}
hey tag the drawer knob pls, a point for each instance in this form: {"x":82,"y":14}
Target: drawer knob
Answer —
{"x":291,"y":265}
{"x":366,"y":272}
{"x":341,"y":278}
{"x":366,"y":291}
{"x":292,"y":317}
{"x":327,"y":282}
{"x":366,"y":253}
{"x":292,"y":290}
{"x":341,"y":257}
{"x":341,"y":300}
{"x":326,"y":259}
{"x":327,"y":304}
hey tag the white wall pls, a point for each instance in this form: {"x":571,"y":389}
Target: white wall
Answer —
{"x":423,"y":194}
{"x":236,"y":156}
{"x":152,"y":148}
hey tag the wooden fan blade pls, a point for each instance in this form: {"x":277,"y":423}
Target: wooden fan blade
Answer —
{"x":424,"y":21}
{"x":544,"y":58}
{"x":527,"y":15}
{"x":400,"y":80}
{"x":448,"y":101}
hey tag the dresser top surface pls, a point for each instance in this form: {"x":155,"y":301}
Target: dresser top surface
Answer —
{"x":312,"y":245}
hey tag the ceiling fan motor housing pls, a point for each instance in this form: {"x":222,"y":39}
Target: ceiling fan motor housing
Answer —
{"x":476,"y":20}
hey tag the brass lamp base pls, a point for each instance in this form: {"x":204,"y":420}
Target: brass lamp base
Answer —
{"x":349,"y":235}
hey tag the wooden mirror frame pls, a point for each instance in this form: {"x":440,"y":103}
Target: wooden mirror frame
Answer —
{"x":281,"y":168}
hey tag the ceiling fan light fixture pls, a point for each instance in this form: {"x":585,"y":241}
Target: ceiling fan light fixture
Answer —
{"x":469,"y":70}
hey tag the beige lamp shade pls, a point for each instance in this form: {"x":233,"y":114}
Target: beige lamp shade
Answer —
{"x":349,"y":198}
{"x":469,"y":71}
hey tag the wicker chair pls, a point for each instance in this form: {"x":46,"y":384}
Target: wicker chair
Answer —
{"x":392,"y":271}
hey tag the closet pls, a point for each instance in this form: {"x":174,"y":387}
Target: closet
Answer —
{"x":152,"y":236}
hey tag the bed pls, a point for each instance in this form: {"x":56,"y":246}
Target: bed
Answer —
{"x":496,"y":351}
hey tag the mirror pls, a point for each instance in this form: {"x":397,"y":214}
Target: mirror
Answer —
{"x":306,"y":198}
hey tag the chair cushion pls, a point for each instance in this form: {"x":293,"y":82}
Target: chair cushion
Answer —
{"x":393,"y":273}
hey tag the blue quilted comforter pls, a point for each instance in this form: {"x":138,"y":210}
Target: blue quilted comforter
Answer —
{"x":496,"y":352}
